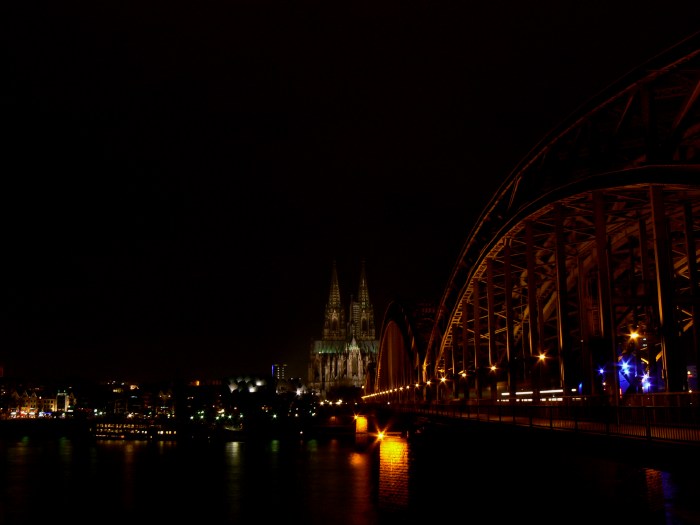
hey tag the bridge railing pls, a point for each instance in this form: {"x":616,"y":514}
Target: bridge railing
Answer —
{"x":669,"y":418}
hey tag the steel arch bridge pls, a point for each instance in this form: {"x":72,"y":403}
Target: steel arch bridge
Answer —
{"x":581,"y":274}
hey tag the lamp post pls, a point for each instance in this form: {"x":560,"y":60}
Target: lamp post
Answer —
{"x":493,"y":386}
{"x":634,"y":335}
{"x":465,"y":384}
{"x":540,"y":365}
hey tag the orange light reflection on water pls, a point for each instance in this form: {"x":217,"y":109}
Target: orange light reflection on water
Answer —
{"x":393,"y":473}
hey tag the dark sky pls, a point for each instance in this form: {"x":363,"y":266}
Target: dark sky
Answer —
{"x":179,"y":176}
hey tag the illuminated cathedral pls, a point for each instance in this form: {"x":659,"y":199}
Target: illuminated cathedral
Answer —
{"x":346,"y":355}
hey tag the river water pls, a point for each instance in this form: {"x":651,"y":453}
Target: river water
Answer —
{"x":337,"y":481}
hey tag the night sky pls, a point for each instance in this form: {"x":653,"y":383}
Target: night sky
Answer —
{"x":178,"y":177}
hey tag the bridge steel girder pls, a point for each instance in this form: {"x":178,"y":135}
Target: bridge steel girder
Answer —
{"x":595,"y":233}
{"x":404,"y":334}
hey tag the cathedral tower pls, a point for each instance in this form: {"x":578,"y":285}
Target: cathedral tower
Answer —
{"x":334,"y":328}
{"x":362,"y":312}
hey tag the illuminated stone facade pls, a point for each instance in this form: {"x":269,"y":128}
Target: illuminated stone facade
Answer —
{"x":346,"y":354}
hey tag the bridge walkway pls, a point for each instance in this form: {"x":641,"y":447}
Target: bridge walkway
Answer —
{"x":658,"y":425}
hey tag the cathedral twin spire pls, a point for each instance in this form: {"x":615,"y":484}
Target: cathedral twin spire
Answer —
{"x":361,"y":322}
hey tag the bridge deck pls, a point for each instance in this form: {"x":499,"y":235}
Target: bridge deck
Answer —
{"x":657,"y":425}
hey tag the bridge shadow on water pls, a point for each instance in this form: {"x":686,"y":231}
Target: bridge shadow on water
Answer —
{"x":476,"y":471}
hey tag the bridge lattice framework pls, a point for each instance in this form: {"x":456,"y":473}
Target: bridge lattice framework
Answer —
{"x":581,"y":274}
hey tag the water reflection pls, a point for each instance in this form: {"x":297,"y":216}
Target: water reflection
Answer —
{"x":452,"y":480}
{"x":330,"y":481}
{"x":393,"y":474}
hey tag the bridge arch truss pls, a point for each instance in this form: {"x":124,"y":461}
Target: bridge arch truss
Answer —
{"x":581,"y":274}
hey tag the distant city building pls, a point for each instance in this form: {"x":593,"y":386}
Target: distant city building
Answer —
{"x":36,"y":402}
{"x":279,"y":372}
{"x":347,"y":352}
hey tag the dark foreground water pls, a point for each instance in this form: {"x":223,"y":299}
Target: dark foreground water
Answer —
{"x":435,"y":478}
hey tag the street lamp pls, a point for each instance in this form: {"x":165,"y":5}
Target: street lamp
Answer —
{"x":636,"y":359}
{"x":443,"y":380}
{"x":540,"y":365}
{"x":493,"y":381}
